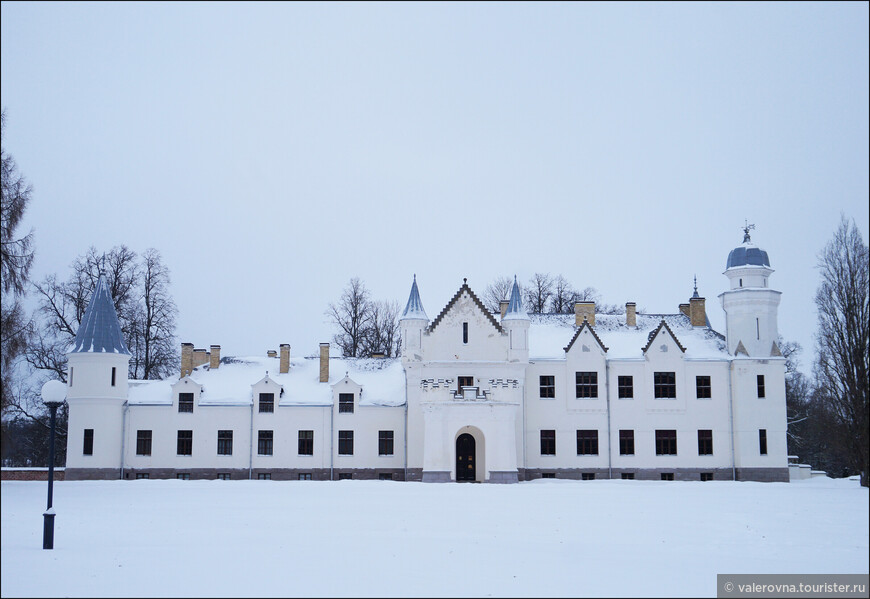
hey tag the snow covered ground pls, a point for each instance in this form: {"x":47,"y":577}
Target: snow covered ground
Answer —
{"x":171,"y":538}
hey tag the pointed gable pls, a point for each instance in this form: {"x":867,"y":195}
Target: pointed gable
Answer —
{"x":774,"y":350}
{"x":580,"y":329}
{"x":741,"y":349}
{"x":655,"y":333}
{"x":466,"y":289}
{"x":100,"y":331}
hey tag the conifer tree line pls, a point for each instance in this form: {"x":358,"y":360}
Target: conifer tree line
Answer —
{"x":34,"y":345}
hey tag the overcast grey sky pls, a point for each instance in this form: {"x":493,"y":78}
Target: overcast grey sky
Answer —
{"x":273,"y":151}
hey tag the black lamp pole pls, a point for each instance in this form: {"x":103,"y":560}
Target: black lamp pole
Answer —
{"x":48,"y":516}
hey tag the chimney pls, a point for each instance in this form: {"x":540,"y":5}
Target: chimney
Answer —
{"x":284,"y":366}
{"x":214,"y":357}
{"x":271,"y":353}
{"x":584,"y":310}
{"x":200,"y":357}
{"x":630,"y":314}
{"x":186,"y":359}
{"x":324,"y":362}
{"x":684,"y":309}
{"x":502,"y":307}
{"x":697,"y":311}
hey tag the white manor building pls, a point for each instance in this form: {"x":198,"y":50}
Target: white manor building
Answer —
{"x":476,"y":396}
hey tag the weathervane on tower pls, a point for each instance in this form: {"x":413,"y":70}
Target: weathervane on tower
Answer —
{"x":746,"y":228}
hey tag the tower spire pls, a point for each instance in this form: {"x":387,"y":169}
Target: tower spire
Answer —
{"x":515,"y":310}
{"x":414,"y":308}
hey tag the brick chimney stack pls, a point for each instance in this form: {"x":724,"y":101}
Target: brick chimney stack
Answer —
{"x":584,"y":309}
{"x":284,"y":366}
{"x":186,"y":359}
{"x":214,"y":358}
{"x":630,"y":314}
{"x":324,"y":362}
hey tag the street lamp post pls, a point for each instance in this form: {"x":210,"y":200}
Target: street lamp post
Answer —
{"x":53,"y":394}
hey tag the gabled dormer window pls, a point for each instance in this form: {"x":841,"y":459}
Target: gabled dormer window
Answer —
{"x":345,"y":403}
{"x":185,"y":402}
{"x":267,"y":402}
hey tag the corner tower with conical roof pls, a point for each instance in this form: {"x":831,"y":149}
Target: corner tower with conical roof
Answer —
{"x":97,"y":391}
{"x":412,"y":324}
{"x":750,"y":305}
{"x":516,"y":324}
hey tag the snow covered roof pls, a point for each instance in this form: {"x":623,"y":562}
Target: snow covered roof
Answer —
{"x":515,"y":310}
{"x":747,"y":254}
{"x":414,"y":309}
{"x":382,"y":380}
{"x":549,"y":334}
{"x":100,"y":331}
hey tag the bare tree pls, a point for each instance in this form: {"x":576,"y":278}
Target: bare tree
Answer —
{"x":153,"y":322}
{"x":843,"y":340}
{"x":352,"y":316}
{"x":562,"y":300}
{"x":382,"y":332}
{"x":538,"y":293}
{"x":16,"y":258}
{"x":495,"y":292}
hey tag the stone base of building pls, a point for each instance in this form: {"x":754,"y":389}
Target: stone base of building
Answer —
{"x":686,"y":474}
{"x":765,"y":475}
{"x":266,"y":473}
{"x":509,"y":476}
{"x":92,"y":474}
{"x":436,"y":476}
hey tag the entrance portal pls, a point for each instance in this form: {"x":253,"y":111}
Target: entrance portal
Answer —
{"x":466,"y":469}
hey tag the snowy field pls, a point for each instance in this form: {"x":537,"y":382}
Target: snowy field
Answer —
{"x":170,"y":538}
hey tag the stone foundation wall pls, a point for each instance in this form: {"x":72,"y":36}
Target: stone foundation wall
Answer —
{"x":35,"y":474}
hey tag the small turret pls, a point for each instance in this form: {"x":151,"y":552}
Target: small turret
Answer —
{"x":516,"y":323}
{"x":412,"y":323}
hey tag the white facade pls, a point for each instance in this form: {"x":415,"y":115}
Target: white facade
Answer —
{"x":476,"y":396}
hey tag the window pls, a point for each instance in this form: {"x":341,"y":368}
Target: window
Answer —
{"x":548,"y":442}
{"x":223,"y":476}
{"x":304,"y":476}
{"x":142,"y":475}
{"x":345,"y":403}
{"x":702,"y":387}
{"x":185,"y":402}
{"x":345,"y":475}
{"x":143,"y":442}
{"x":626,"y":442}
{"x":225,"y":443}
{"x":183,"y":476}
{"x":264,"y":476}
{"x":465,"y":332}
{"x":345,"y":442}
{"x":705,"y":442}
{"x":548,"y":386}
{"x":706,"y":476}
{"x":587,"y":442}
{"x":385,"y":476}
{"x":267,"y":402}
{"x":185,"y":443}
{"x":587,"y":476}
{"x":625,"y":387}
{"x":627,"y":476}
{"x":306,"y":442}
{"x":385,"y":442}
{"x":760,"y":383}
{"x":667,"y":476}
{"x":762,"y":441}
{"x":666,"y":442}
{"x":665,"y":385}
{"x":88,"y":448}
{"x":548,"y":475}
{"x":464,"y":381}
{"x":71,"y":375}
{"x":587,"y":384}
{"x":113,"y":376}
{"x":264,"y":442}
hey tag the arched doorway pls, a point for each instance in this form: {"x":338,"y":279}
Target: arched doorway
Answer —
{"x":466,"y":462}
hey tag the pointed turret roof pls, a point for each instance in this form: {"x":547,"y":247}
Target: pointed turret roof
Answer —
{"x":414,"y":309}
{"x":100,"y":331}
{"x":515,"y":310}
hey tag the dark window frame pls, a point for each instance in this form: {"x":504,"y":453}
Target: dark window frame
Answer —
{"x":627,"y":476}
{"x":304,"y":476}
{"x":184,"y":442}
{"x":667,"y":476}
{"x":143,"y":442}
{"x":547,"y":386}
{"x":225,"y":442}
{"x":345,"y":476}
{"x":626,"y":441}
{"x":706,"y":476}
{"x":185,"y":403}
{"x":587,"y":476}
{"x":666,"y":442}
{"x":762,"y":441}
{"x":267,"y":403}
{"x":465,"y":332}
{"x":305,"y":443}
{"x":665,"y":385}
{"x":625,"y":387}
{"x":587,"y":441}
{"x":385,"y":442}
{"x":705,"y":441}
{"x":345,"y":403}
{"x":548,"y":441}
{"x":345,"y":442}
{"x":759,"y":385}
{"x":265,"y":442}
{"x":703,"y":387}
{"x":88,"y":442}
{"x":586,"y":384}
